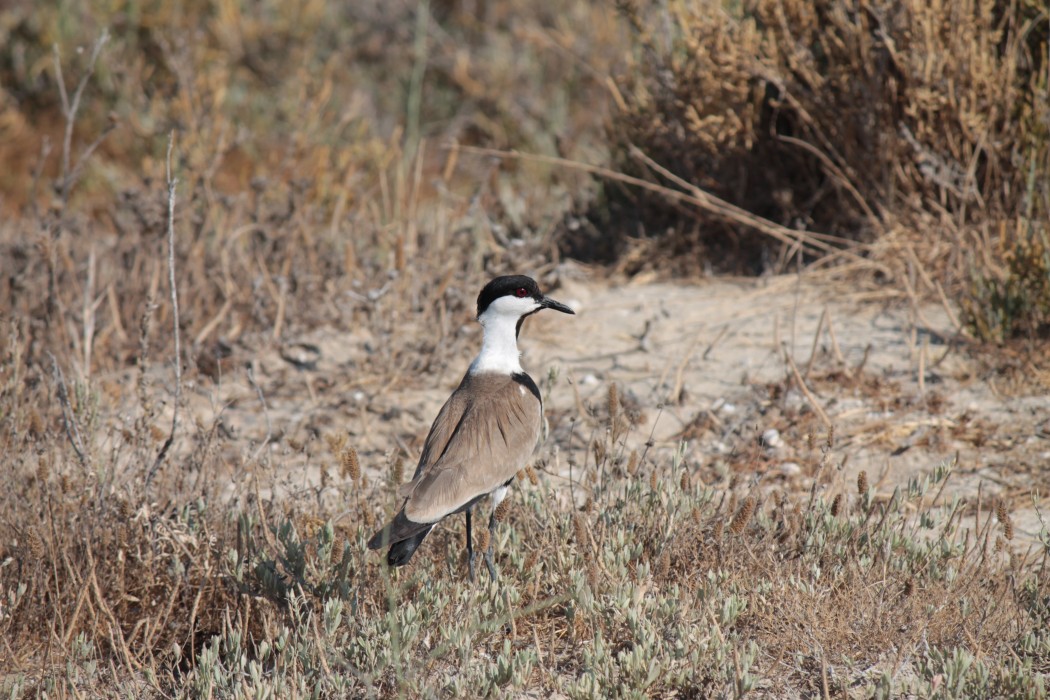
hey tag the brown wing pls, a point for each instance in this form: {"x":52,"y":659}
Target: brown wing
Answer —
{"x":444,"y":426}
{"x":484,"y":434}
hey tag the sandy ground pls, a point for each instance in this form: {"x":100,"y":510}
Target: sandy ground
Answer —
{"x":705,"y":364}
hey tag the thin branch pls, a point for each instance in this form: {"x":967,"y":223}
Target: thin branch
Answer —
{"x":172,"y":182}
{"x":836,"y":174}
{"x":266,"y":412}
{"x":38,"y":170}
{"x":817,"y":408}
{"x":70,"y":108}
{"x":78,"y":167}
{"x":68,"y":419}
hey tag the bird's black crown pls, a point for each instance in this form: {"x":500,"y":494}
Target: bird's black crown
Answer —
{"x":508,"y":285}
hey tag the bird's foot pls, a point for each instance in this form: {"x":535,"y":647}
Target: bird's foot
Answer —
{"x":489,"y":563}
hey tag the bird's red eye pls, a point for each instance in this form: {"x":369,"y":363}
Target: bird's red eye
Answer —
{"x":521,"y":292}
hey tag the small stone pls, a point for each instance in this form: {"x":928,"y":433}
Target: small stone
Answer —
{"x":771,"y":439}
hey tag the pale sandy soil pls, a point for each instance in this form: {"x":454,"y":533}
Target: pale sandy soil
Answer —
{"x":703,"y":363}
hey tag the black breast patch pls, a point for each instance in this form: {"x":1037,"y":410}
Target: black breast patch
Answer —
{"x":526,"y":381}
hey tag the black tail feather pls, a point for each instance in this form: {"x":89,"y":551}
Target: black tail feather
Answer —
{"x":401,"y":552}
{"x":403,"y":536}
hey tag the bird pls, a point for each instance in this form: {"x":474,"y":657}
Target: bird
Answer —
{"x":482,"y":436}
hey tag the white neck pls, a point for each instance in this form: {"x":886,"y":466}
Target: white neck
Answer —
{"x":499,"y":349}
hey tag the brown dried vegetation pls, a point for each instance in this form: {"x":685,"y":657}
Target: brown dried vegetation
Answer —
{"x":145,"y":553}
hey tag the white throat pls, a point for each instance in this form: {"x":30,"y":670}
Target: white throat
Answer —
{"x":499,"y":348}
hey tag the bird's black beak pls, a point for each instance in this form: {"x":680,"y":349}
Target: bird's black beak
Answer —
{"x":548,"y":303}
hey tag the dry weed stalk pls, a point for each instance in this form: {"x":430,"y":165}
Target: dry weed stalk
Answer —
{"x":172,"y":183}
{"x":397,"y":468}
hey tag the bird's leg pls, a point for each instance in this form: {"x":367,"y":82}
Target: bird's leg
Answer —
{"x":488,"y":550}
{"x":470,"y":548}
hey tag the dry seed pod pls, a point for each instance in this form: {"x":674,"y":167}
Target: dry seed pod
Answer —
{"x":397,"y":471}
{"x":683,"y":483}
{"x":663,"y":566}
{"x":484,"y":538}
{"x":613,"y":404}
{"x":632,"y":463}
{"x":1004,"y":518}
{"x":534,"y":479}
{"x":598,"y":447}
{"x":36,"y":424}
{"x":35,"y":545}
{"x":579,"y":529}
{"x":350,"y":464}
{"x":862,"y":482}
{"x":836,"y":505}
{"x":43,"y":469}
{"x":336,"y":442}
{"x":743,"y":516}
{"x":500,"y":514}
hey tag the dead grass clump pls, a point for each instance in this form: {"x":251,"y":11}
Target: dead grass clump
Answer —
{"x":921,"y":127}
{"x":138,"y":586}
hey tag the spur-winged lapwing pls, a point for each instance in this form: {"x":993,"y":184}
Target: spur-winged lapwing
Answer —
{"x":483,"y":434}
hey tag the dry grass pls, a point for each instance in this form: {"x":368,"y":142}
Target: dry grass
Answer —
{"x":917,"y":131}
{"x":659,"y":585}
{"x":313,"y":192}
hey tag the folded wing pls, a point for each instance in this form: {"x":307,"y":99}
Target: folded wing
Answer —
{"x":492,"y":439}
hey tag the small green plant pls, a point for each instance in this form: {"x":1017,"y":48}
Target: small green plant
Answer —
{"x":1014,"y":303}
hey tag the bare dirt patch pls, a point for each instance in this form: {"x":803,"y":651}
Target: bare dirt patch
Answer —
{"x":704,"y":364}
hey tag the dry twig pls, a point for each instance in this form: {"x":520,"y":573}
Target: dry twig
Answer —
{"x":172,"y":182}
